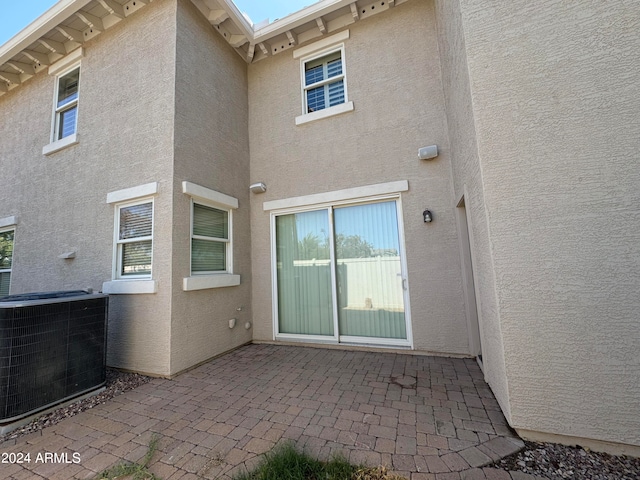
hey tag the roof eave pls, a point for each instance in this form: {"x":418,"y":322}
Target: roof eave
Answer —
{"x":39,"y":27}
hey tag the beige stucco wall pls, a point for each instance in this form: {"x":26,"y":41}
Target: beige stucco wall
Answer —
{"x":125,"y":126}
{"x":395,"y":83}
{"x":467,"y":181}
{"x":553,"y":86}
{"x":211,"y":150}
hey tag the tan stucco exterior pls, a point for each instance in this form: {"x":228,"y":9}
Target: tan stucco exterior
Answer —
{"x":532,"y":108}
{"x":548,"y":90}
{"x":398,"y":108}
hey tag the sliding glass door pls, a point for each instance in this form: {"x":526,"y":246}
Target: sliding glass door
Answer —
{"x":340,"y":274}
{"x":305,"y":299}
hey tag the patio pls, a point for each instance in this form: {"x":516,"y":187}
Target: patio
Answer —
{"x":427,"y":418}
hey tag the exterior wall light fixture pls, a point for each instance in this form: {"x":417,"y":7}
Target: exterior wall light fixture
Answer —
{"x":258,"y":187}
{"x":427,"y":216}
{"x":427,"y":153}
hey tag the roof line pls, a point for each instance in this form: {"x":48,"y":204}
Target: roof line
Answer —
{"x":41,"y":25}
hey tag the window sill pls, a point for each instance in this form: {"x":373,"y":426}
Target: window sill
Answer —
{"x":129,"y":287}
{"x":58,"y":145}
{"x":327,"y":112}
{"x":210,"y":281}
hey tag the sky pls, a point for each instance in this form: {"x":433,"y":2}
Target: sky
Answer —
{"x":18,"y":14}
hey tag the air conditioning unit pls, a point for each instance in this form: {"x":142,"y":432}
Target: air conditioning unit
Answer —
{"x":52,"y":349}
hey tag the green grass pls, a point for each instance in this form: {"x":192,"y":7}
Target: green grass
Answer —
{"x":133,"y":471}
{"x":285,"y":463}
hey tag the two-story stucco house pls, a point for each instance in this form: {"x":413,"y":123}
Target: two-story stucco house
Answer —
{"x":451,"y":177}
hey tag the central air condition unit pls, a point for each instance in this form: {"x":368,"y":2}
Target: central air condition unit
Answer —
{"x":52,"y":348}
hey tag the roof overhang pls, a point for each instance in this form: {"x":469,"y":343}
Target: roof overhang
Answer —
{"x":69,"y":23}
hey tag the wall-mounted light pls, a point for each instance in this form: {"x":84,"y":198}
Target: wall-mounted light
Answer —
{"x":258,"y":187}
{"x":427,"y":153}
{"x":427,"y":216}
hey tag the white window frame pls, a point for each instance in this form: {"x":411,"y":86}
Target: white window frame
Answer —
{"x":118,"y":243}
{"x":315,"y":51}
{"x":61,"y":68}
{"x":130,"y":284}
{"x":210,"y":198}
{"x":329,"y":200}
{"x":9,"y":270}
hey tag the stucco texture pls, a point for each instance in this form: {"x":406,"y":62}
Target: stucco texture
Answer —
{"x":395,"y":84}
{"x":466,"y":172}
{"x":211,"y":150}
{"x":125,"y":127}
{"x":553,"y":86}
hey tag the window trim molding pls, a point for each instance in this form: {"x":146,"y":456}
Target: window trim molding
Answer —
{"x":61,"y":144}
{"x":11,"y":227}
{"x":325,"y":43}
{"x":132,"y":193}
{"x":67,"y":63}
{"x":309,"y":53}
{"x":354,"y":193}
{"x":210,"y":198}
{"x":117,"y":258}
{"x":8,"y":222}
{"x":324,"y":113}
{"x":128,"y":287}
{"x":62,"y":68}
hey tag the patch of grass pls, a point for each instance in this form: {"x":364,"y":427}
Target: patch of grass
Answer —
{"x":134,"y":471}
{"x":284,"y":462}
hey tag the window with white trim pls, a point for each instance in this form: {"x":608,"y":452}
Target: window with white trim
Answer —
{"x":66,"y":104}
{"x":134,"y":239}
{"x":210,"y":239}
{"x":323,"y":77}
{"x":6,"y":260}
{"x":324,"y":81}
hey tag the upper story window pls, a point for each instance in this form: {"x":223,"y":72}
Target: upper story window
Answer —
{"x":6,"y":260}
{"x":66,"y":113}
{"x":323,"y":78}
{"x":65,"y":102}
{"x":324,"y":82}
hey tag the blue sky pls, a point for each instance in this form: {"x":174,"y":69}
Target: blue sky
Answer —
{"x":18,"y":14}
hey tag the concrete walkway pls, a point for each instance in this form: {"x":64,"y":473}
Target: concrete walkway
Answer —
{"x":427,"y":418}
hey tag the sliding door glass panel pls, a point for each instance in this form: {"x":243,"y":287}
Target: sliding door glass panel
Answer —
{"x":368,"y":271}
{"x":305,"y":301}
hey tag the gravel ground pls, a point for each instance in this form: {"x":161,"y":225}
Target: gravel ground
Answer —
{"x":556,"y":462}
{"x":560,"y":462}
{"x":117,"y":383}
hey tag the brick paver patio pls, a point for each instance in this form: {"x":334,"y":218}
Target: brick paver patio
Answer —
{"x":427,"y":418}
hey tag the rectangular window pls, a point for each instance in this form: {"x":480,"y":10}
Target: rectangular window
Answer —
{"x":66,"y":108}
{"x":134,"y":229}
{"x":6,"y":260}
{"x":209,"y":240}
{"x":324,"y":81}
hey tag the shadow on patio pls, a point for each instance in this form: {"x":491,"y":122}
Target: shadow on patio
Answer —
{"x":418,"y":415}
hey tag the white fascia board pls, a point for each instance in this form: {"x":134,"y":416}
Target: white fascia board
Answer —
{"x":237,"y":18}
{"x":307,"y":14}
{"x":338,"y":195}
{"x":39,"y":27}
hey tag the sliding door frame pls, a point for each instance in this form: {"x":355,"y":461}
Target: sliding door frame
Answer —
{"x":336,"y":338}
